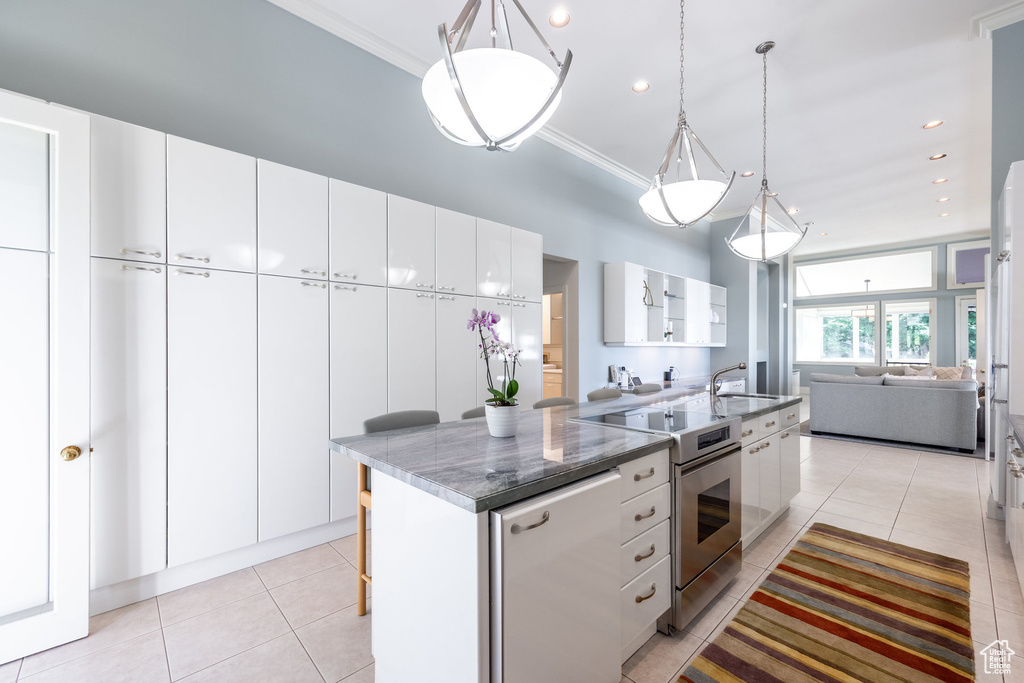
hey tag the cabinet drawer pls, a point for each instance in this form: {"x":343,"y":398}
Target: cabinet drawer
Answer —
{"x":656,"y":583}
{"x":789,"y":416}
{"x":748,"y":432}
{"x":643,"y":474}
{"x":651,"y":508}
{"x":768,"y":424}
{"x":644,"y":551}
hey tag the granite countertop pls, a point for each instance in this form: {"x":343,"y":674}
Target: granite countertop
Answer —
{"x":1017,"y":423}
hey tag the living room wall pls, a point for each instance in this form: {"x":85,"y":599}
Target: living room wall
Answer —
{"x":1007,"y":104}
{"x":945,"y":313}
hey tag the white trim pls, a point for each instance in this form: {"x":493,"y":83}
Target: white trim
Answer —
{"x":951,"y":250}
{"x":958,"y":301}
{"x":852,"y":361}
{"x":934,"y":249}
{"x":982,"y":25}
{"x":882,"y":248}
{"x":363,"y":38}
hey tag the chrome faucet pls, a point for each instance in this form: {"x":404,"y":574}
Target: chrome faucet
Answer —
{"x":715,"y":382}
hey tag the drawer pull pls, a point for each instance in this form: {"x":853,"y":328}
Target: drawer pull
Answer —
{"x":314,"y":284}
{"x":747,"y":433}
{"x":766,"y":444}
{"x":638,"y":517}
{"x":516,"y":529}
{"x":154,"y":254}
{"x":654,"y":589}
{"x":152,"y":270}
{"x":180,"y":257}
{"x":753,"y":451}
{"x":640,"y":558}
{"x":770,"y":424}
{"x":791,"y":416}
{"x":307,"y":271}
{"x":186,"y":272}
{"x":785,"y":435}
{"x":638,"y":476}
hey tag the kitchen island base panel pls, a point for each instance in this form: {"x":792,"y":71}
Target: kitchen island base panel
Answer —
{"x":430,"y":573}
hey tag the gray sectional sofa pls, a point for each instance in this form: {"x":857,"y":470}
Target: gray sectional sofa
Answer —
{"x":923,"y":411}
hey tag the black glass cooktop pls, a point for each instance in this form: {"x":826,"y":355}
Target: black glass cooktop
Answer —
{"x":657,"y":419}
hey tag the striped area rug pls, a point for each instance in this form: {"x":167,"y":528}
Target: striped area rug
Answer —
{"x":843,"y":606}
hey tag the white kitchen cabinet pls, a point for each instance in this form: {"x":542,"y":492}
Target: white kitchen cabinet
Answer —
{"x":211,"y":207}
{"x":789,"y":443}
{"x":527,"y":335}
{"x":128,"y":191}
{"x":359,"y":377}
{"x":292,"y":221}
{"x":411,"y":350}
{"x":493,"y":259}
{"x":698,"y":312}
{"x":211,"y":413}
{"x":359,"y":234}
{"x":556,"y":585}
{"x":751,"y":492}
{"x":128,"y":417}
{"x":527,"y":265}
{"x":410,"y":244}
{"x":769,"y":454}
{"x":625,"y":315}
{"x":771,"y":468}
{"x":24,"y":187}
{"x":457,"y":356}
{"x":503,"y":307}
{"x":456,"y":253}
{"x":294,"y":405}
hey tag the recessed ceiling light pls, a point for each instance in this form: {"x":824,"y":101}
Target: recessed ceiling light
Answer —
{"x":943,"y":199}
{"x":822,"y":234}
{"x":940,"y":181}
{"x":936,"y":157}
{"x":943,"y":215}
{"x":559,"y":18}
{"x":932,"y":124}
{"x":793,"y":210}
{"x":641,"y":86}
{"x":746,"y":174}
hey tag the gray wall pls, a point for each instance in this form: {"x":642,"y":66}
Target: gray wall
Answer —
{"x":1007,"y":105}
{"x":739,"y":277}
{"x":248,"y":76}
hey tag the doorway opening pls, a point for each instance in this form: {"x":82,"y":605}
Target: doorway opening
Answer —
{"x":561,"y":327}
{"x":967,"y":331}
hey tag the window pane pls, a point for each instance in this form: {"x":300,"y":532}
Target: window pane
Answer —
{"x":910,"y":270}
{"x":908,"y":331}
{"x":843,"y":334}
{"x":972,"y":336}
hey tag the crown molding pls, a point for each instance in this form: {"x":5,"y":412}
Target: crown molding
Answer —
{"x":349,"y":31}
{"x":982,"y":25}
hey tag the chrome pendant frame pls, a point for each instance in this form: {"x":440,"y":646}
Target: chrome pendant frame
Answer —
{"x":460,"y":31}
{"x":680,"y":140}
{"x":764,"y":195}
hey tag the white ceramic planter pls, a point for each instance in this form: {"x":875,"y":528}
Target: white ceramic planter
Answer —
{"x":502,"y":421}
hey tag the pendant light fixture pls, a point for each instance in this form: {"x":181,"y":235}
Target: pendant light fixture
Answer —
{"x":493,"y":97}
{"x":767,"y":230}
{"x":683,"y":198}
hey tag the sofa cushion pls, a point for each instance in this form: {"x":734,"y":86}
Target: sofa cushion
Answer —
{"x":845,"y":379}
{"x":878,"y":370}
{"x":911,"y":371}
{"x":919,"y":378}
{"x":953,"y":384}
{"x":952,"y":373}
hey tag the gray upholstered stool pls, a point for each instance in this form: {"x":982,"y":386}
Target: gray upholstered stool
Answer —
{"x":479,"y":411}
{"x":647,"y":389}
{"x":603,"y":394}
{"x":554,"y":401}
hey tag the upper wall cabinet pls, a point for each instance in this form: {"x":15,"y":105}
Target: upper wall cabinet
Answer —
{"x":527,"y":265}
{"x":129,"y":195}
{"x":410,"y":244}
{"x":359,"y":234}
{"x":292,"y":221}
{"x":493,"y":259}
{"x":456,"y":252}
{"x":211,"y":207}
{"x":24,"y":188}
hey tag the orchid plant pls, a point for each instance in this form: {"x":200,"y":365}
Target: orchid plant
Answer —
{"x":490,"y":346}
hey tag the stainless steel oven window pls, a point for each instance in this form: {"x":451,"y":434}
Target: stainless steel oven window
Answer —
{"x":712,"y":510}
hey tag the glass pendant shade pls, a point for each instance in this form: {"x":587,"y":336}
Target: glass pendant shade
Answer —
{"x":492,"y":97}
{"x":688,"y":201}
{"x":767,"y":231}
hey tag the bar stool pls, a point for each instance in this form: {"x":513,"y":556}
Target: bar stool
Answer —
{"x":603,"y":394}
{"x":364,"y":499}
{"x":647,"y":389}
{"x":554,"y":401}
{"x":479,"y":411}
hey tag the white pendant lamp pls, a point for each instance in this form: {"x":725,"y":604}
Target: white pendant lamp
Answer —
{"x":684,"y":197}
{"x":767,"y":231}
{"x":491,"y":97}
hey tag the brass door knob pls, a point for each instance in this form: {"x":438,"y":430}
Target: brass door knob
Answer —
{"x":70,"y":453}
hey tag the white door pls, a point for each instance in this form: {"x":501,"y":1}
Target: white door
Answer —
{"x":698,"y":312}
{"x":291,"y":221}
{"x":129,"y":191}
{"x":789,"y":467}
{"x":503,"y":307}
{"x":493,"y":259}
{"x":44,"y":376}
{"x":211,"y":413}
{"x":456,"y":253}
{"x":527,"y":333}
{"x":967,"y":331}
{"x":527,"y":265}
{"x":211,"y":207}
{"x":457,"y":357}
{"x":411,"y":350}
{"x":359,"y":378}
{"x":751,"y":491}
{"x":410,"y":244}
{"x":359,"y":234}
{"x":129,"y":420}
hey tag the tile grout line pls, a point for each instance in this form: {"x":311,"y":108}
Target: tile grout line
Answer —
{"x":355,"y":673}
{"x":163,"y":638}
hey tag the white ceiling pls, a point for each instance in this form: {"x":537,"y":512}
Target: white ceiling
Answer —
{"x":850,"y":85}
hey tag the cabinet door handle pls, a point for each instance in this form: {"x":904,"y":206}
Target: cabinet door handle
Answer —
{"x":769,"y":424}
{"x":640,"y":558}
{"x":654,"y":589}
{"x":351,"y":289}
{"x":638,"y":517}
{"x":518,"y":296}
{"x":503,"y":303}
{"x":183,"y":257}
{"x":1009,"y":438}
{"x":189,"y":272}
{"x":314,"y":284}
{"x":154,"y":254}
{"x":442,"y":297}
{"x":152,"y":270}
{"x":420,"y":284}
{"x":307,"y":271}
{"x":791,"y":416}
{"x":447,"y":289}
{"x":424,"y":296}
{"x":516,"y":529}
{"x":747,"y":433}
{"x":345,"y":275}
{"x":766,"y":444}
{"x":785,"y":435}
{"x":518,"y":304}
{"x":502,"y":293}
{"x":1017,"y":452}
{"x":754,"y":451}
{"x":638,"y":476}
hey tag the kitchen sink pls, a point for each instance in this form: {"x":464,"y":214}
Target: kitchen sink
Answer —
{"x":731,"y":395}
{"x":729,"y":405}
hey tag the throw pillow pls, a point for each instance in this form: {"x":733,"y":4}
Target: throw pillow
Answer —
{"x":870,"y":370}
{"x":949,"y":373}
{"x":911,"y":371}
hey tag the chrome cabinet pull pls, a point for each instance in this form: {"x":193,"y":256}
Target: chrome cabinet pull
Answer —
{"x":791,"y":416}
{"x":516,"y":529}
{"x":518,"y":296}
{"x":152,"y":270}
{"x":345,"y":275}
{"x":307,"y":271}
{"x":502,"y":293}
{"x":640,"y":558}
{"x":1009,"y":437}
{"x":654,"y":589}
{"x":754,"y":451}
{"x":766,"y":444}
{"x":183,"y":257}
{"x":1004,"y":256}
{"x":514,"y":303}
{"x":747,"y":433}
{"x":447,"y":289}
{"x":1017,"y":452}
{"x":314,"y":284}
{"x":504,"y":303}
{"x":420,"y":284}
{"x":442,"y":297}
{"x":785,"y":435}
{"x":154,"y":254}
{"x":424,"y":296}
{"x":189,"y":272}
{"x":638,"y":517}
{"x":351,"y":289}
{"x":769,"y":424}
{"x":638,"y":476}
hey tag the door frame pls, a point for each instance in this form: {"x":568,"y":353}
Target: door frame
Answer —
{"x":66,"y":616}
{"x":960,"y":327}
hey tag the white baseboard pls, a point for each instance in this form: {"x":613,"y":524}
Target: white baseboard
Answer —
{"x":145,"y":587}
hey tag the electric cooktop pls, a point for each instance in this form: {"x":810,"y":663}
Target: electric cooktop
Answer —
{"x":657,"y":419}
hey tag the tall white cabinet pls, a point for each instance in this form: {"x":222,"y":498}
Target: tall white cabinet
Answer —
{"x":457,"y":356}
{"x":359,"y":234}
{"x":292,"y":217}
{"x":411,"y":351}
{"x":410,"y":244}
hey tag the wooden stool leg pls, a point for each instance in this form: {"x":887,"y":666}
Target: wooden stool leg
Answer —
{"x":360,"y":541}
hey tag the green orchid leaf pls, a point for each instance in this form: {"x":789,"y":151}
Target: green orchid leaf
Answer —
{"x":513,"y":388}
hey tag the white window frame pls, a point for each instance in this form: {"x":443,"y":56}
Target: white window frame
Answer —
{"x":933,"y":345}
{"x":851,"y":361}
{"x":951,"y":250}
{"x":961,"y":325}
{"x":934,"y":249}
